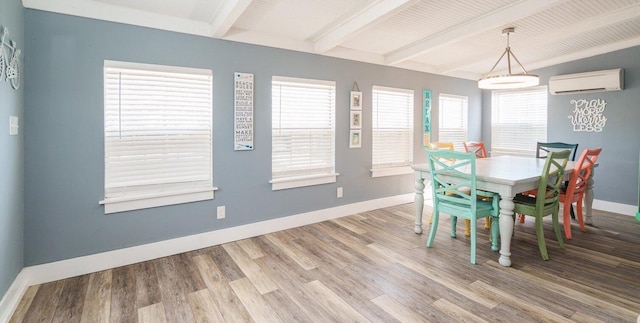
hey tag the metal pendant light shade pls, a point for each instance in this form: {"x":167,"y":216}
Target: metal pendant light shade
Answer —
{"x":510,"y":80}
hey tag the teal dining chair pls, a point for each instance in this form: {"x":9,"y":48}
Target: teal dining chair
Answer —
{"x":547,"y":198}
{"x":459,"y":199}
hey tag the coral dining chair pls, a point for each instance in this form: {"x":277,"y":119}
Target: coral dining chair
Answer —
{"x":575,"y":188}
{"x":476,"y":147}
{"x":460,"y":199}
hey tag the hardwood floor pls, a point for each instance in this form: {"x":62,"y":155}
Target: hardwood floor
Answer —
{"x":364,"y":267}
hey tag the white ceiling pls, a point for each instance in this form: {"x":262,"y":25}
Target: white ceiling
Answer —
{"x":461,"y":38}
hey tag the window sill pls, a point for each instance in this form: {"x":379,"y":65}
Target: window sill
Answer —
{"x":391,"y":171}
{"x":301,"y":181}
{"x":122,"y":204}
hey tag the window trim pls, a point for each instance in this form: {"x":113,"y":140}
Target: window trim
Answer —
{"x":393,"y":170}
{"x":162,"y":198}
{"x":465,"y":102}
{"x":287,"y":182}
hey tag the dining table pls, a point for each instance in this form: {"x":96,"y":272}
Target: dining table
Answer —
{"x":507,"y":176}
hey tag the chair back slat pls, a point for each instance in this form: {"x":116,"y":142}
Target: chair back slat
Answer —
{"x":544,"y":148}
{"x":552,"y":177}
{"x":476,"y":147}
{"x":445,"y":163}
{"x":581,"y":173}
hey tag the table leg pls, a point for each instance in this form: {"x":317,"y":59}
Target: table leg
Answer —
{"x":506,"y":229}
{"x":419,"y":201}
{"x":588,"y":199}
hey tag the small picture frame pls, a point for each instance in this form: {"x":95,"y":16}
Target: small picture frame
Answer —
{"x":356,"y":100}
{"x":356,"y":119}
{"x":355,"y":138}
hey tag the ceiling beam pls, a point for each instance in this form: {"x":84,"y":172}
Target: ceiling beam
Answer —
{"x":356,"y":23}
{"x":489,"y":21}
{"x":227,"y":16}
{"x":108,"y":12}
{"x":603,"y":21}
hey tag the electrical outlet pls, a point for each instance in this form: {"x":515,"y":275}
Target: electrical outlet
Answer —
{"x":339,"y":192}
{"x":221,"y":212}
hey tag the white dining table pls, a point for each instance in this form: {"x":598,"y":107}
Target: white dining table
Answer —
{"x":507,"y":176}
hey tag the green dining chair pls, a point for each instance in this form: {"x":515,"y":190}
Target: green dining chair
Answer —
{"x":542,"y":150}
{"x":460,"y":199}
{"x":546,"y":202}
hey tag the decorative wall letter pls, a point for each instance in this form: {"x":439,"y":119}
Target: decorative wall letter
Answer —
{"x":426,"y":117}
{"x":587,"y":115}
{"x":243,"y":129}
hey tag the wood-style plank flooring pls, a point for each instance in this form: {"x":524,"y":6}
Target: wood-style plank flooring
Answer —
{"x":367,"y":267}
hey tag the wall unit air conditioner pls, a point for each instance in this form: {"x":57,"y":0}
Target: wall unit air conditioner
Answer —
{"x":597,"y":81}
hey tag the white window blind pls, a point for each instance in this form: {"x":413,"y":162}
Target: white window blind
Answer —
{"x":392,"y":116}
{"x":158,"y":135}
{"x":453,"y":124}
{"x":518,"y":121}
{"x":303,"y":129}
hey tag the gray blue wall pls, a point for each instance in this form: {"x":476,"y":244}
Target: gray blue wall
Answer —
{"x":617,"y":174}
{"x":64,"y":143}
{"x":11,"y":158}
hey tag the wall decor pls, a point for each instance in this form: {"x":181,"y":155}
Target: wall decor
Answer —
{"x":355,"y":140}
{"x":243,"y":111}
{"x":426,"y":117}
{"x":356,"y":100}
{"x":356,"y":119}
{"x":10,"y":66}
{"x":587,"y":115}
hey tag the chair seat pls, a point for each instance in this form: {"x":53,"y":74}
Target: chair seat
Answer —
{"x":483,"y":208}
{"x":527,"y":199}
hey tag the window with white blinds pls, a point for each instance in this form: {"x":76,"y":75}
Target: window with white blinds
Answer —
{"x":392,"y":133}
{"x":518,"y":121}
{"x":157,"y":135}
{"x":452,"y":120}
{"x":303,"y":132}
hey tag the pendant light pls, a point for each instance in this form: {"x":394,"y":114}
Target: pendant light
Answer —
{"x":510,"y":80}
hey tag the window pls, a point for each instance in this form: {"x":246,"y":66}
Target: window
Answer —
{"x":157,"y":136}
{"x":392,"y":151}
{"x":518,"y":121}
{"x":452,"y":120}
{"x":303,"y":132}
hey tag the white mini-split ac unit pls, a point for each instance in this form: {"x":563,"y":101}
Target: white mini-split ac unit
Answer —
{"x":597,"y":81}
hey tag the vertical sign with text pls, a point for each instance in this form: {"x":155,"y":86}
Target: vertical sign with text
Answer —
{"x":243,"y":108}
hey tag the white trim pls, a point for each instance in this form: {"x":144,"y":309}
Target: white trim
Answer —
{"x":301,"y":181}
{"x":391,"y":171}
{"x":12,"y":297}
{"x":614,"y":207}
{"x":123,"y":204}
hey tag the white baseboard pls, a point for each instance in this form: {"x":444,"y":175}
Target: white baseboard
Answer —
{"x":12,"y":297}
{"x":625,"y":209}
{"x":67,"y":268}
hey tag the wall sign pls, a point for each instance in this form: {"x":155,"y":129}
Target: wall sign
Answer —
{"x":243,"y":108}
{"x":587,"y":115}
{"x":426,"y":117}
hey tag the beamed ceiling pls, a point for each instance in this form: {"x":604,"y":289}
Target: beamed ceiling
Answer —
{"x":460,"y":38}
